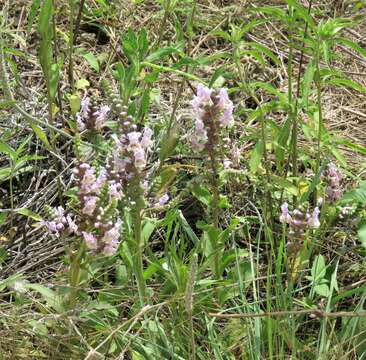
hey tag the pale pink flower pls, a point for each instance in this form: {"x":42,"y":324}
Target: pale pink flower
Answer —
{"x":90,"y":205}
{"x":285,"y":217}
{"x":115,"y":191}
{"x":313,"y":220}
{"x":163,"y":199}
{"x":72,"y":226}
{"x":90,"y":240}
{"x":101,"y":116}
{"x":101,"y":179}
{"x":146,"y":137}
{"x":134,"y":140}
{"x":140,"y":160}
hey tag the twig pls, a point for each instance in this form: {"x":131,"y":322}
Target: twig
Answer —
{"x":312,"y":312}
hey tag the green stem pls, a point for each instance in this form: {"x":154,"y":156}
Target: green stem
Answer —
{"x":75,"y":272}
{"x":138,"y":240}
{"x":320,"y":114}
{"x":71,"y":44}
{"x":215,"y":209}
{"x":11,"y":193}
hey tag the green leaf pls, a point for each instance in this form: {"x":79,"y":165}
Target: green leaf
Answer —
{"x":44,"y":23}
{"x":256,"y":157}
{"x":347,"y":83}
{"x":187,"y":228}
{"x":202,"y":194}
{"x":263,"y":49}
{"x":8,"y":150}
{"x":28,"y":213}
{"x":357,"y":195}
{"x":54,"y":77}
{"x":32,"y":14}
{"x":318,"y":269}
{"x":362,"y":235}
{"x":273,"y":11}
{"x":352,"y":45}
{"x":285,"y":185}
{"x":75,"y":103}
{"x":7,"y":104}
{"x":322,"y":290}
{"x":306,"y":83}
{"x":92,"y":60}
{"x":41,"y":135}
{"x":169,"y":142}
{"x":160,"y":54}
{"x":145,"y":103}
{"x":51,"y":297}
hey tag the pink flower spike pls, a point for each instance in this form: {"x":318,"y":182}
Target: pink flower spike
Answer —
{"x":146,"y":138}
{"x":204,"y":93}
{"x":115,"y":192}
{"x":101,"y":179}
{"x":51,"y":226}
{"x":163,"y":199}
{"x":134,"y":138}
{"x":223,"y":99}
{"x":72,"y":226}
{"x":90,"y":205}
{"x":140,"y":161}
{"x":85,"y":104}
{"x":314,"y":219}
{"x":101,"y":117}
{"x":285,"y":217}
{"x":90,"y":240}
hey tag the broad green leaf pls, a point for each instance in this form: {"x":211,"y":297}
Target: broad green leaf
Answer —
{"x":256,"y":157}
{"x":160,"y":54}
{"x":322,"y":289}
{"x":357,"y":195}
{"x":51,"y":297}
{"x":202,"y":193}
{"x":28,"y":213}
{"x":92,"y":60}
{"x":8,"y":150}
{"x":45,"y":17}
{"x":347,"y":83}
{"x":318,"y":269}
{"x":41,"y":135}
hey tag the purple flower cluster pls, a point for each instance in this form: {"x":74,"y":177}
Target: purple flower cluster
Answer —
{"x":299,"y":220}
{"x":97,"y":222}
{"x":61,"y":223}
{"x":130,"y":152}
{"x":333,"y":178}
{"x":90,"y":117}
{"x":213,"y":110}
{"x":162,"y":200}
{"x":97,"y":194}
